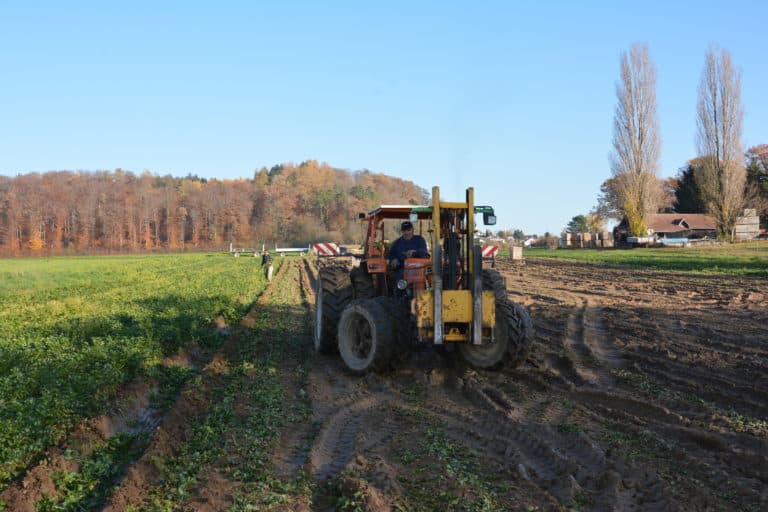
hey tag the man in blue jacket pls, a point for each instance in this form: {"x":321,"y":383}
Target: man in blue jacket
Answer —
{"x":407,"y":246}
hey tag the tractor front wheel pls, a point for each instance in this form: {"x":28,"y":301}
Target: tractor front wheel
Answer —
{"x":488,"y":355}
{"x":366,"y":336}
{"x":513,"y":333}
{"x":520,"y":333}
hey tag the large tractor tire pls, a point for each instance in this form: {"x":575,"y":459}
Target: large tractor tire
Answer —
{"x":366,"y":336}
{"x":333,"y":293}
{"x":493,"y":281}
{"x":520,"y":332}
{"x":512,"y":334}
{"x":362,"y":284}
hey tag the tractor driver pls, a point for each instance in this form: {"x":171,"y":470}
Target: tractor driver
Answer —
{"x":407,"y":246}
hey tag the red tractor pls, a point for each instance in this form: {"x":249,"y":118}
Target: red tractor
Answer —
{"x":374,"y":312}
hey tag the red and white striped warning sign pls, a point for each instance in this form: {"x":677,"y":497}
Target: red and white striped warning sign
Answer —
{"x":490,"y":251}
{"x":326,"y":249}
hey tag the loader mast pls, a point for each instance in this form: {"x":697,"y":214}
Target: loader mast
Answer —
{"x":453,"y":228}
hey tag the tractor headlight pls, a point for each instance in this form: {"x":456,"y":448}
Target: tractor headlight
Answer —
{"x":402,"y":284}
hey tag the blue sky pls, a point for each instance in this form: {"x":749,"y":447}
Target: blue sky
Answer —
{"x":515,"y":100}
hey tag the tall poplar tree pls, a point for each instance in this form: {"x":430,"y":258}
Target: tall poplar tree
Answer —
{"x":722,"y":175}
{"x":636,"y":140}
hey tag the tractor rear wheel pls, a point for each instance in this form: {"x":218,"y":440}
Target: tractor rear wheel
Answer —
{"x":362,"y":284}
{"x":366,"y":336}
{"x":512,"y":334}
{"x":333,"y":293}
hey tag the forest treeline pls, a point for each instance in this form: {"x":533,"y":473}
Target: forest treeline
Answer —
{"x":66,"y":212}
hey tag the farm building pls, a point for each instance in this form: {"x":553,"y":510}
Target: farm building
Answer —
{"x":682,"y":225}
{"x":671,"y":225}
{"x":691,"y":226}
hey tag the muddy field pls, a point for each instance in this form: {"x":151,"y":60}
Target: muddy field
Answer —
{"x":644,"y":390}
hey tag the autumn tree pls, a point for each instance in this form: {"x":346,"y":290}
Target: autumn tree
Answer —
{"x":117,"y":211}
{"x":595,"y":223}
{"x":757,"y":161}
{"x":636,"y":141}
{"x":261,"y":177}
{"x":722,"y":176}
{"x":608,"y":201}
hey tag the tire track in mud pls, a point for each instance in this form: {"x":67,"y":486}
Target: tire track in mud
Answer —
{"x":566,"y":468}
{"x":722,"y":390}
{"x":678,"y":343}
{"x":589,"y":355}
{"x":564,"y":471}
{"x":337,"y":441}
{"x":342,"y":404}
{"x":527,"y":431}
{"x":718,"y":457}
{"x":586,"y":344}
{"x":550,"y":432}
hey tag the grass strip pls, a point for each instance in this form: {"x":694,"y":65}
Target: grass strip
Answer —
{"x":741,"y":260}
{"x":76,"y":329}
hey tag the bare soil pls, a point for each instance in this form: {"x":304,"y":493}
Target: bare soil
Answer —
{"x":644,"y":391}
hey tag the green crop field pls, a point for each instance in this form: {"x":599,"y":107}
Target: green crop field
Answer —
{"x":738,"y":259}
{"x":73,"y":330}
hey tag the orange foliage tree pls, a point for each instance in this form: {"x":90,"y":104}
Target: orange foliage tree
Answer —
{"x":64,"y":212}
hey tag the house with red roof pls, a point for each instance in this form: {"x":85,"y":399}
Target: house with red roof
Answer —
{"x":691,"y":226}
{"x":672,"y":225}
{"x":682,"y":225}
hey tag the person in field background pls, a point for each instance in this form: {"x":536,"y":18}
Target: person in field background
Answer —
{"x":266,"y":264}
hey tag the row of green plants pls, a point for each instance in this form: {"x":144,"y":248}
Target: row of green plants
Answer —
{"x":74,"y":330}
{"x":251,"y":405}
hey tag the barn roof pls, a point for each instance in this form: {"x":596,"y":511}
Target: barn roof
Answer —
{"x":674,"y":222}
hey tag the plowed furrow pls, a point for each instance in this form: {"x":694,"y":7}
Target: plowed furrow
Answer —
{"x":565,"y":467}
{"x":726,"y":393}
{"x":686,"y":354}
{"x":335,"y":445}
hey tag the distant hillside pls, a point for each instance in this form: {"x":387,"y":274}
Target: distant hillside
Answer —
{"x":66,"y":212}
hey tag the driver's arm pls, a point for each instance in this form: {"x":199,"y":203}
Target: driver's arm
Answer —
{"x":422,"y":251}
{"x":393,"y":255}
